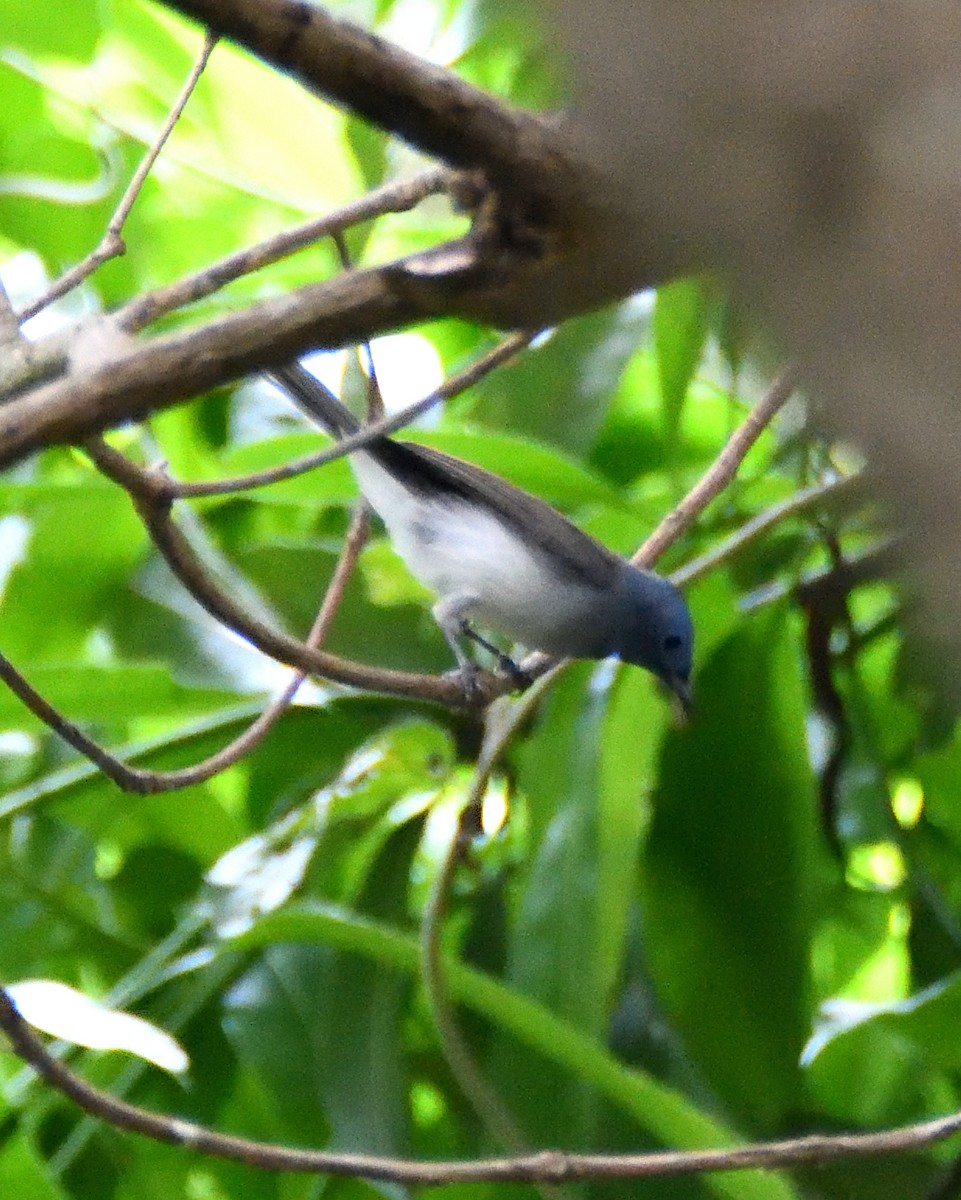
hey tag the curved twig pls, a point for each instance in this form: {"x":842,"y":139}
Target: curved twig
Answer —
{"x":112,"y":243}
{"x":457,"y":383}
{"x":549,"y":1166}
{"x":148,"y":493}
{"x":146,"y":782}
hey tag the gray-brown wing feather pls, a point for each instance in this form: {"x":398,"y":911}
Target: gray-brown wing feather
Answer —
{"x":428,"y":471}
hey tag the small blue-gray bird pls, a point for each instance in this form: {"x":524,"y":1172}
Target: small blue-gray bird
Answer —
{"x":500,"y":557}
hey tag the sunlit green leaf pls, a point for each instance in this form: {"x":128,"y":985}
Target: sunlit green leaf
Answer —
{"x":680,"y":327}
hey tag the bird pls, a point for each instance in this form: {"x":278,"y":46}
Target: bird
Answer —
{"x":499,"y":558}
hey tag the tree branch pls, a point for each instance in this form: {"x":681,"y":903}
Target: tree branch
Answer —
{"x":550,"y":224}
{"x":428,"y":106}
{"x":133,"y":379}
{"x":546,"y":1166}
{"x":721,"y":472}
{"x":112,"y":243}
{"x":153,"y":505}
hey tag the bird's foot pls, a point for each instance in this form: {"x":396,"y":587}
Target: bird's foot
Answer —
{"x":520,"y":678}
{"x":467,"y":674}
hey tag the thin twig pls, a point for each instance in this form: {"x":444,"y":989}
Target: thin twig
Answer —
{"x":112,"y":243}
{"x":126,"y":777}
{"x":721,"y":472}
{"x":718,"y":475}
{"x":147,"y":491}
{"x":550,"y":1166}
{"x":457,"y":383}
{"x":146,"y":782}
{"x":751,"y":530}
{"x":391,"y":197}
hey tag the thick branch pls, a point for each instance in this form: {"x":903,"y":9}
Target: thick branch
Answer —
{"x":552,"y":226}
{"x":428,"y":106}
{"x":134,"y":379}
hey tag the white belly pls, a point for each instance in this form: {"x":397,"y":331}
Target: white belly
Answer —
{"x":471,"y":553}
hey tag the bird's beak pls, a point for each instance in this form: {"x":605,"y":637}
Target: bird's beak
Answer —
{"x":683,"y":695}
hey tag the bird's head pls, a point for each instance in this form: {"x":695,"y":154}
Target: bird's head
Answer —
{"x":656,"y":631}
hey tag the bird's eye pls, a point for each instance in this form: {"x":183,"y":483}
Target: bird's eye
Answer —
{"x":672,"y":642}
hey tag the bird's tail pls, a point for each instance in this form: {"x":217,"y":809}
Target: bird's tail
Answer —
{"x":317,"y":401}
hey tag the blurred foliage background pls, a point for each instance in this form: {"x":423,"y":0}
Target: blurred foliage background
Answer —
{"x":667,"y":937}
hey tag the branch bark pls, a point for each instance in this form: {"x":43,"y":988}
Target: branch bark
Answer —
{"x":428,"y":106}
{"x":124,"y":380}
{"x":544,"y":242}
{"x":550,"y":235}
{"x":545,"y":1166}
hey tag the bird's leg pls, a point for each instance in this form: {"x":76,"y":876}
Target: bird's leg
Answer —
{"x":504,"y":661}
{"x":449,"y":614}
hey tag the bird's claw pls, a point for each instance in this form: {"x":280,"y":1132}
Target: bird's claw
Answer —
{"x":519,"y":677}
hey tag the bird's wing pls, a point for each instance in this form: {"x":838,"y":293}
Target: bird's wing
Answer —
{"x":427,"y":472}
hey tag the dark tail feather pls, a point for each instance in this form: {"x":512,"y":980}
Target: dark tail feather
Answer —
{"x":317,"y":401}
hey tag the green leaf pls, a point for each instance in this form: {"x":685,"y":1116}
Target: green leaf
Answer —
{"x":88,"y":539}
{"x":680,"y":328}
{"x":635,"y":722}
{"x":247,"y":126}
{"x":344,"y":1012}
{"x":557,"y":910}
{"x":111,"y":694}
{"x":363,"y":1009}
{"x":28,"y":26}
{"x":729,"y":874}
{"x":663,"y":1113}
{"x":558,"y":391}
{"x":48,"y":168}
{"x":529,"y":465}
{"x":874,"y":1062}
{"x":23,"y":1171}
{"x":636,"y":442}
